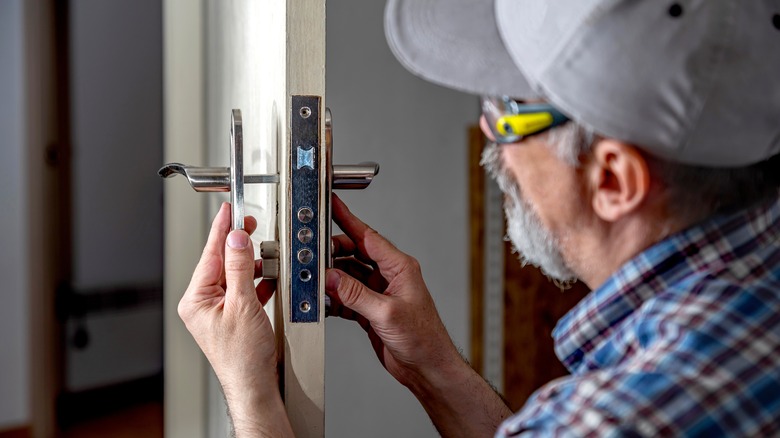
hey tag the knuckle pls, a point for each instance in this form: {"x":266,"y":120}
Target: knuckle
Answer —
{"x":239,"y":264}
{"x":350,"y":291}
{"x":393,"y":311}
{"x":183,"y":310}
{"x":412,"y":264}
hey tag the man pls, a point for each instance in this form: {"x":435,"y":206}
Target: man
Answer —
{"x":636,"y":143}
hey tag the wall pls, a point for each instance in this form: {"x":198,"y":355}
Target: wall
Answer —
{"x":14,"y":332}
{"x":116,"y":122}
{"x":417,"y":132}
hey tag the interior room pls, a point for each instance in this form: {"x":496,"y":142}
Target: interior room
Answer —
{"x":92,"y":95}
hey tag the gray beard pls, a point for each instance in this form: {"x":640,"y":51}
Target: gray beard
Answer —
{"x":532,"y":241}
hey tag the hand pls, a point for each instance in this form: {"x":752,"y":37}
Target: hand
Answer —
{"x":383,"y":290}
{"x":223,"y":310}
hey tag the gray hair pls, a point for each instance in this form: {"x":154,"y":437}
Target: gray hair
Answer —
{"x":693,"y":192}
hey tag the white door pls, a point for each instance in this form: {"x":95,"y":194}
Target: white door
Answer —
{"x":256,"y":57}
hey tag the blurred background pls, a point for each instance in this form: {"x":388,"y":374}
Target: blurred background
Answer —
{"x":81,"y":224}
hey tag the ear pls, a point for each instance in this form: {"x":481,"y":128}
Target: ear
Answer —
{"x":619,"y":179}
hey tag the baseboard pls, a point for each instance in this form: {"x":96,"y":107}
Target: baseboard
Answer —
{"x":16,"y":432}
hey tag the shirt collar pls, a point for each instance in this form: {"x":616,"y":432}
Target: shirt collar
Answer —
{"x":707,"y":247}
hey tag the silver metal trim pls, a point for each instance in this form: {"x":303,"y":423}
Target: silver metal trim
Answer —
{"x":236,"y":170}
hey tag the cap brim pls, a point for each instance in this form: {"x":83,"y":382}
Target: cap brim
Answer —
{"x":454,"y":43}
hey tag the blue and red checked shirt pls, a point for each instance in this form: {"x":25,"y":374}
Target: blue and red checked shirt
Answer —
{"x":683,"y":340}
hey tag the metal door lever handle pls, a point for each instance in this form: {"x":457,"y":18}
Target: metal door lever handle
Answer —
{"x":354,"y":176}
{"x":211,"y":179}
{"x":217,"y":179}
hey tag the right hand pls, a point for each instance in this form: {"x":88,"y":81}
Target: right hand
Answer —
{"x":383,"y":290}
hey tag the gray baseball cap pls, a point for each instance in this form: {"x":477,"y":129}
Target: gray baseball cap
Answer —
{"x":694,"y":81}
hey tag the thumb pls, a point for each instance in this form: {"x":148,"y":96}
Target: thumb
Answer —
{"x":353,"y":294}
{"x":239,"y":266}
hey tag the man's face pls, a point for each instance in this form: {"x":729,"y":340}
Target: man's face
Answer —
{"x":541,"y":201}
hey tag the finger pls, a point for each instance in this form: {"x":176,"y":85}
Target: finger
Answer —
{"x":250,"y":224}
{"x":346,"y":290}
{"x":354,"y":268}
{"x":265,"y":290}
{"x":343,"y":246}
{"x":344,"y":312}
{"x":239,"y":267}
{"x":209,"y":269}
{"x":370,"y":276}
{"x":369,"y":242}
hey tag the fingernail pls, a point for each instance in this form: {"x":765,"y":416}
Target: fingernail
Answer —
{"x":332,"y":280}
{"x":238,"y":239}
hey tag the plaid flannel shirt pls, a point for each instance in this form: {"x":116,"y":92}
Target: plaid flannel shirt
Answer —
{"x":683,"y":340}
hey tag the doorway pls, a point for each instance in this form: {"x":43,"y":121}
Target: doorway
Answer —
{"x":109,"y":297}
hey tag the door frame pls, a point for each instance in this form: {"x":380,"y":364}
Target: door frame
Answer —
{"x":184,"y":140}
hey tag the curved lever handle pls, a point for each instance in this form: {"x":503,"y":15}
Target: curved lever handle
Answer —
{"x":202,"y":179}
{"x":354,"y":176}
{"x":211,"y":179}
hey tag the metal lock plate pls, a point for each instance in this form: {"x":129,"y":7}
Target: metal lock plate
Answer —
{"x":305,"y":184}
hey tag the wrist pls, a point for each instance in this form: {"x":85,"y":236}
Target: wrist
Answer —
{"x":459,"y":401}
{"x":439,"y":376}
{"x":256,"y":413}
{"x":257,"y":389}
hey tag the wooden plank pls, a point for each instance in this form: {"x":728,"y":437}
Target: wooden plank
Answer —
{"x":47,"y":177}
{"x":185,"y":224}
{"x":533,"y":305}
{"x":476,"y":246}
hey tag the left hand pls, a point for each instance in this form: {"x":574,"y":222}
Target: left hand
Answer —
{"x":223,"y":310}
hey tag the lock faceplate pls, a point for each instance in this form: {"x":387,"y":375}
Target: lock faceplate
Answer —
{"x":305,"y":186}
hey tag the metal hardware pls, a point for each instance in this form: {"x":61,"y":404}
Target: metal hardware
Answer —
{"x":211,"y":179}
{"x":328,"y":196}
{"x":305,"y":235}
{"x":269,"y":252}
{"x":354,"y":176}
{"x":237,"y":170}
{"x":305,"y":256}
{"x":305,"y":215}
{"x":305,"y":164}
{"x":304,"y":195}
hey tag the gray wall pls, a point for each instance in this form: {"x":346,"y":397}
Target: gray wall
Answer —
{"x":116,"y":123}
{"x":417,"y":132}
{"x":14,"y":331}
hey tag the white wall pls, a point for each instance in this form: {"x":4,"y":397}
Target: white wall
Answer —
{"x":14,"y":332}
{"x":417,"y":132}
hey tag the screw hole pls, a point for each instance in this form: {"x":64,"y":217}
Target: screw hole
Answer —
{"x":305,"y":112}
{"x":305,"y":306}
{"x":675,"y":10}
{"x":305,"y":275}
{"x":776,"y":21}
